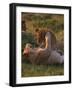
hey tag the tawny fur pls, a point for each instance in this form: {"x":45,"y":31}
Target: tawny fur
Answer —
{"x":43,"y":56}
{"x":46,"y":38}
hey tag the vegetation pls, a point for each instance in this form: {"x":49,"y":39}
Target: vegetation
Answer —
{"x":33,"y":21}
{"x":29,"y":70}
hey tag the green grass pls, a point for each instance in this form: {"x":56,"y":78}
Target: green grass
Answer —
{"x":29,"y":70}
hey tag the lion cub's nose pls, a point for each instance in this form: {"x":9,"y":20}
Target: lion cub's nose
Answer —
{"x":26,"y":52}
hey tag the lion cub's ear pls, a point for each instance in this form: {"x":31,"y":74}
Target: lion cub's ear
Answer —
{"x":28,"y":45}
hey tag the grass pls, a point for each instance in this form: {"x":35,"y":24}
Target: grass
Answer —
{"x":29,"y":70}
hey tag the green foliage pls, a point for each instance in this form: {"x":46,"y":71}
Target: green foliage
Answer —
{"x":27,"y":38}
